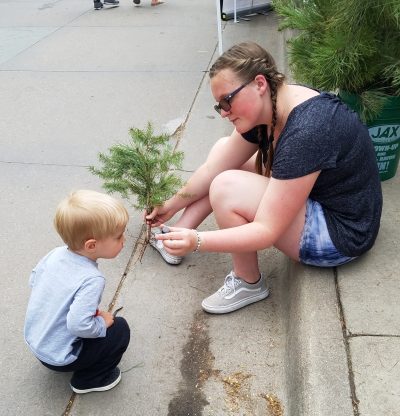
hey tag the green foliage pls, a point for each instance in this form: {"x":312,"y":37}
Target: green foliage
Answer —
{"x":350,"y":45}
{"x":145,"y":168}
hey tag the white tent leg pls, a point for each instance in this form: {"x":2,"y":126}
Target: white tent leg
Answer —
{"x":219,"y":26}
{"x":234,"y":12}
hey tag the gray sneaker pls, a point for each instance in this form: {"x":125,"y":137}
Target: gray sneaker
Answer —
{"x":235,"y":294}
{"x":159,"y":246}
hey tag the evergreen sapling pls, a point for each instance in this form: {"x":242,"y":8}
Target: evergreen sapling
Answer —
{"x":144,"y":168}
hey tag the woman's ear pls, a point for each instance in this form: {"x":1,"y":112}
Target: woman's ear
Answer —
{"x":262,"y":84}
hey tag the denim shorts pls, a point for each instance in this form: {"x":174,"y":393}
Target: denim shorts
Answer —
{"x":316,"y":247}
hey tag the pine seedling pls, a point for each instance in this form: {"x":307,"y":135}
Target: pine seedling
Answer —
{"x":145,"y":168}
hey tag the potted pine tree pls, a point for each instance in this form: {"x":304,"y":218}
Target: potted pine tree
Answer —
{"x":351,"y":47}
{"x":145,"y":169}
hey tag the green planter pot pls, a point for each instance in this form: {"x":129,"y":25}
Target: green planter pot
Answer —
{"x":385,"y":133}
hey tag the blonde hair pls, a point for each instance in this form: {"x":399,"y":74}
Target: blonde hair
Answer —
{"x":88,"y":214}
{"x":247,"y":60}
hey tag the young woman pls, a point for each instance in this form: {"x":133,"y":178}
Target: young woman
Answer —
{"x":298,"y":172}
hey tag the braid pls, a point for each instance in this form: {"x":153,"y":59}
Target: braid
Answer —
{"x":259,"y":157}
{"x":270,"y":159}
{"x":265,"y":154}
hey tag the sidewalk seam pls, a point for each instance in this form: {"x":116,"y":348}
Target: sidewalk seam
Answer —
{"x":136,"y":256}
{"x":177,"y":134}
{"x":373,"y":335}
{"x":70,"y":403}
{"x":346,"y":338}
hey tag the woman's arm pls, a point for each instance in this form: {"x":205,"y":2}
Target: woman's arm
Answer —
{"x":280,"y":204}
{"x":228,"y":153}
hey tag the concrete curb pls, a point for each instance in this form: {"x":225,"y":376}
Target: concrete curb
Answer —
{"x":316,"y":369}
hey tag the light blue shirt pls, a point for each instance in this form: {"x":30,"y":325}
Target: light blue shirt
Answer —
{"x":66,"y":291}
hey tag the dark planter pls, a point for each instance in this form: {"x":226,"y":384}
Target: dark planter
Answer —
{"x":384,"y":131}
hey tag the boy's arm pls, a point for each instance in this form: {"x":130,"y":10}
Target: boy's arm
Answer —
{"x":81,"y":318}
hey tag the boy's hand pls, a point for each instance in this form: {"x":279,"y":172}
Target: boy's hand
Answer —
{"x":107,"y":316}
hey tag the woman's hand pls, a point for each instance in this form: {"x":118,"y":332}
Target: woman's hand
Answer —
{"x":158,"y":216}
{"x":179,"y":241}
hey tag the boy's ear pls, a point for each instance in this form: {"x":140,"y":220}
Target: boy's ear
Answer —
{"x":90,"y":245}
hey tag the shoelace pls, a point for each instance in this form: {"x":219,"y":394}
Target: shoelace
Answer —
{"x":230,"y":284}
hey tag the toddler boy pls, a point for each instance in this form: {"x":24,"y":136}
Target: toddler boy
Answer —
{"x":64,"y":327}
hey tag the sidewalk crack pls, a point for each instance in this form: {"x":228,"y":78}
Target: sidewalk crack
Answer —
{"x":351,"y":335}
{"x":136,"y":256}
{"x":346,"y":336}
{"x":69,"y":405}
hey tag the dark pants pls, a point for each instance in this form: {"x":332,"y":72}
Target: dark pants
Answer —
{"x":98,"y":356}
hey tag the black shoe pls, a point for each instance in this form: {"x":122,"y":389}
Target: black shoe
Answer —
{"x":108,"y":383}
{"x":97,"y":4}
{"x":112,"y":2}
{"x":136,"y":1}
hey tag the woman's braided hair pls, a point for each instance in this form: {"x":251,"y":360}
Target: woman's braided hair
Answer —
{"x":247,"y":60}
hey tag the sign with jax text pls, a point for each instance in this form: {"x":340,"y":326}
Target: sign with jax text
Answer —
{"x":386,"y":140}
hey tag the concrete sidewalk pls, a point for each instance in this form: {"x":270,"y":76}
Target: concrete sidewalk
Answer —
{"x":72,"y":83}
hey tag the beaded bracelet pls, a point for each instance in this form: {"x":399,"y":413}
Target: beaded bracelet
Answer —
{"x":198,"y":242}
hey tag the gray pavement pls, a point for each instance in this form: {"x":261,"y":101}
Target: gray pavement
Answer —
{"x":72,"y":83}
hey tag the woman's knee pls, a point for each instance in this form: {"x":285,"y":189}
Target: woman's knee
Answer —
{"x":222,"y":186}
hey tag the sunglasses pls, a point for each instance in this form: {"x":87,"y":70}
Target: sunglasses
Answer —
{"x":225,"y":103}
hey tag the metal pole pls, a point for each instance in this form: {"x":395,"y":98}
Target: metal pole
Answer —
{"x":219,"y":26}
{"x":234,"y":12}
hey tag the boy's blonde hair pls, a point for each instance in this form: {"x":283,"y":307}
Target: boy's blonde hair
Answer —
{"x":88,"y":214}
